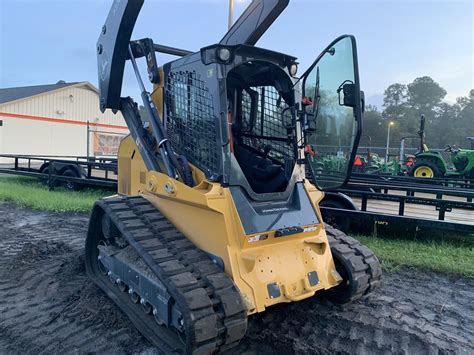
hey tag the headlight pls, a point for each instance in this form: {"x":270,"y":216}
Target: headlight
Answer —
{"x":293,"y":69}
{"x":223,"y":54}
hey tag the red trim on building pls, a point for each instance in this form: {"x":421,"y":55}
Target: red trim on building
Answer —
{"x":60,"y":120}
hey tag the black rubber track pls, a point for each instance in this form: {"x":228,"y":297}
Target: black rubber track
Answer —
{"x":214,"y":315}
{"x":359,"y":261}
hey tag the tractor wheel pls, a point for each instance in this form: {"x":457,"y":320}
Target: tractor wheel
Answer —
{"x":425,"y":169}
{"x":70,"y":185}
{"x":45,"y":178}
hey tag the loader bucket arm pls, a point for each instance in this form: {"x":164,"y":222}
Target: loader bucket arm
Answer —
{"x":253,"y":22}
{"x":113,"y":43}
{"x":112,"y":50}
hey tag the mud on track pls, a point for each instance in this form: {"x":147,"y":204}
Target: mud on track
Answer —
{"x":47,"y":305}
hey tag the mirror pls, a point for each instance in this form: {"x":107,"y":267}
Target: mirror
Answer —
{"x":333,"y":111}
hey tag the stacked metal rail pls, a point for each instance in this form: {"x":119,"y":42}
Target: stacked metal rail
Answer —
{"x":408,"y":204}
{"x":73,"y":172}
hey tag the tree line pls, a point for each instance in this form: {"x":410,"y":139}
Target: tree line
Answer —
{"x":403,"y":104}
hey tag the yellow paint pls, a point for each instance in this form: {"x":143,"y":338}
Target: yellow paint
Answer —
{"x":207,"y":216}
{"x":158,"y":93}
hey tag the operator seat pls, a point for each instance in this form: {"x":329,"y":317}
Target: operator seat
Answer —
{"x":263,"y":175}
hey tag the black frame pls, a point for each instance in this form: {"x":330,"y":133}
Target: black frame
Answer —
{"x":373,"y":189}
{"x":86,"y":165}
{"x":357,"y":108}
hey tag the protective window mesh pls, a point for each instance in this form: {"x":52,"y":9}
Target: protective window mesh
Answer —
{"x":269,"y":122}
{"x":190,"y":121}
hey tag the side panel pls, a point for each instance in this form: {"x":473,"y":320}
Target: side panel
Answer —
{"x":131,"y":169}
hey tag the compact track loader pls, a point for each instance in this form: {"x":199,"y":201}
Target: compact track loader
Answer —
{"x":214,"y":219}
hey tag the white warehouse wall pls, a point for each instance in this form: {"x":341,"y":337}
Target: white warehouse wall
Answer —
{"x":55,"y":123}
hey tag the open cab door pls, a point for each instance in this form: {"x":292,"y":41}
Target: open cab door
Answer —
{"x":332,"y":113}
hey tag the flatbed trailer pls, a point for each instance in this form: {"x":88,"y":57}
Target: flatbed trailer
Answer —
{"x":394,"y":205}
{"x":367,"y":204}
{"x":73,"y":172}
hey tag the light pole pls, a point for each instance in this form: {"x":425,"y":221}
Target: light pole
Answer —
{"x":231,"y":13}
{"x":390,"y":124}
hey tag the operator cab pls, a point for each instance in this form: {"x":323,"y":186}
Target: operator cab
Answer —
{"x":278,"y":121}
{"x":260,"y":96}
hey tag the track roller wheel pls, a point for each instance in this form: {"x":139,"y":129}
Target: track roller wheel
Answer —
{"x":146,"y":307}
{"x":134,"y":297}
{"x":157,"y":318}
{"x":103,"y":270}
{"x":122,"y":285}
{"x":112,"y":279}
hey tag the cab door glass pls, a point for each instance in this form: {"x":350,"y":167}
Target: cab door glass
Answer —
{"x":332,"y":105}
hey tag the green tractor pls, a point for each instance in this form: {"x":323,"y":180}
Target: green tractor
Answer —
{"x":430,"y":164}
{"x":379,"y":166}
{"x":371,"y":163}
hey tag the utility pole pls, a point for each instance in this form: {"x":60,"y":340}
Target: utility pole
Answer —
{"x":231,"y":13}
{"x":390,"y":124}
{"x":88,"y":141}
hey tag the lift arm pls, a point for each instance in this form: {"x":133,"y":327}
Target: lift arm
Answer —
{"x":254,"y":22}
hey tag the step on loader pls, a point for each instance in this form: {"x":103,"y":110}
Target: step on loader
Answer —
{"x":214,"y":219}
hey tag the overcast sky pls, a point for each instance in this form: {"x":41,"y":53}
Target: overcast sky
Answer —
{"x":43,"y":41}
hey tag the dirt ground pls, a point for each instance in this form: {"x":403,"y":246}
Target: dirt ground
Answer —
{"x":48,"y":306}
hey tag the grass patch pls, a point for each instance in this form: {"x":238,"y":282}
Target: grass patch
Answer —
{"x":450,"y":255}
{"x":433,"y":255}
{"x":31,"y":193}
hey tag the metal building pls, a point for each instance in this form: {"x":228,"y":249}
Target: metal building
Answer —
{"x":59,"y":119}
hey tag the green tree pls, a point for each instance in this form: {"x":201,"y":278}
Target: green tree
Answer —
{"x":424,"y":94}
{"x":443,"y":128}
{"x":371,"y":126}
{"x":403,"y":104}
{"x":395,"y":95}
{"x":394,"y":101}
{"x":465,"y":107}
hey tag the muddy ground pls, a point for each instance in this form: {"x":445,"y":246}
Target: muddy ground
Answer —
{"x":48,"y":306}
